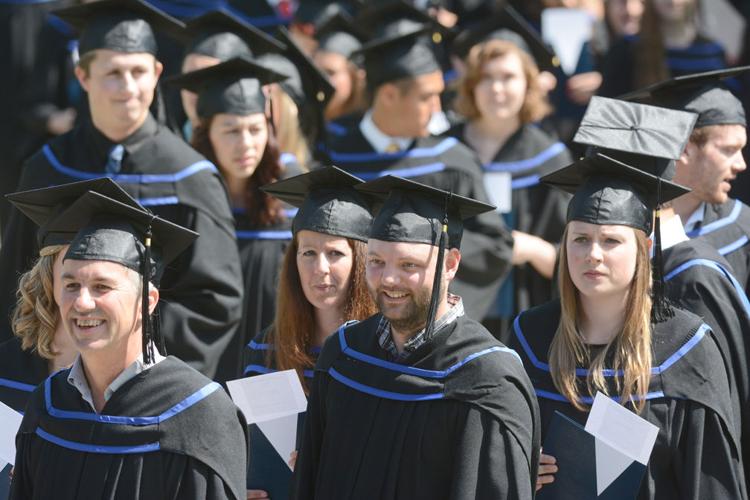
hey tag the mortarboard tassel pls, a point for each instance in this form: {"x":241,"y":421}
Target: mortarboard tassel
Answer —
{"x":443,"y":242}
{"x":661,"y":309}
{"x":147,"y":346}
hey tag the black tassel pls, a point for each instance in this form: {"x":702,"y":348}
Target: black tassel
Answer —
{"x":436,"y":282}
{"x":661,"y":308}
{"x":148,"y":346}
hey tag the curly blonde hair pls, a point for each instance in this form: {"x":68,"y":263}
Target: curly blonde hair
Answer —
{"x":36,"y":314}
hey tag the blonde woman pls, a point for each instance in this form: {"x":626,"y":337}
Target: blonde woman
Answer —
{"x":606,"y":334}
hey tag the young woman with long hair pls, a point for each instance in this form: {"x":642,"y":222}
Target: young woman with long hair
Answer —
{"x":611,"y":331}
{"x":500,"y":96}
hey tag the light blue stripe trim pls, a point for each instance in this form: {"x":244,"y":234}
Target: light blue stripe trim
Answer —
{"x":407,"y":172}
{"x":381,"y":393}
{"x":264,"y":235}
{"x":608,"y":372}
{"x":183,"y":405}
{"x":705,"y":48}
{"x":257,"y":369}
{"x":734,"y":246}
{"x":588,"y":399}
{"x":738,"y":288}
{"x":410,"y":370}
{"x":520,"y":165}
{"x":704,"y":64}
{"x":255,"y":346}
{"x":336,"y":129}
{"x":19,"y":386}
{"x":287,"y":158}
{"x":128,"y":178}
{"x":524,"y":182}
{"x":435,"y":150}
{"x":718,"y":224}
{"x":308,"y":373}
{"x":92,"y":448}
{"x":153,"y":202}
{"x":290,"y":212}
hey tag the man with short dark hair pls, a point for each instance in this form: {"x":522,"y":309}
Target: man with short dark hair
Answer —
{"x":124,"y":421}
{"x":120,"y":139}
{"x":418,"y":401}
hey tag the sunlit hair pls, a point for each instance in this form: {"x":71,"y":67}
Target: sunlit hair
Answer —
{"x":261,"y":208}
{"x":289,"y":135}
{"x":535,"y":105}
{"x":36,"y":314}
{"x":293,"y":330}
{"x":631,"y":348}
{"x":358,"y":99}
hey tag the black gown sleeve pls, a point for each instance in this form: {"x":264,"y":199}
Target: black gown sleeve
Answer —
{"x":198,"y":482}
{"x":490,"y":462}
{"x":306,"y":468}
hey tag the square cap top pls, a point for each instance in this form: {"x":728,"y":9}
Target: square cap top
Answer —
{"x":395,"y":17}
{"x":340,"y":35}
{"x":119,"y":25}
{"x":414,"y":212}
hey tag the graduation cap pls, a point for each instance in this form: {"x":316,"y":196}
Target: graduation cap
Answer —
{"x":119,"y":25}
{"x":259,"y":13}
{"x":647,"y":137}
{"x":701,"y":93}
{"x":327,"y":202}
{"x":43,"y":206}
{"x":401,"y":56}
{"x":507,"y":24}
{"x":396,"y":17}
{"x":223,"y":35}
{"x":340,"y":35}
{"x":234,"y":86}
{"x":319,"y":12}
{"x":131,"y":236}
{"x":608,"y":191}
{"x":416,"y":213}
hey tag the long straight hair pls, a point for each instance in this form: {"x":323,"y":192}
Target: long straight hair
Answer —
{"x":293,"y":330}
{"x":631,"y":348}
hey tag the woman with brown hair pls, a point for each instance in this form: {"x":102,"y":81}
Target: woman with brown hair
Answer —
{"x":611,"y":331}
{"x":501,"y":98}
{"x":235,"y":134}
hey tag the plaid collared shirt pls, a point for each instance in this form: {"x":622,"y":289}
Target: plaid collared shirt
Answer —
{"x":386,"y":339}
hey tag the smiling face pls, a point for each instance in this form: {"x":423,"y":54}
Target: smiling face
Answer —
{"x":325,"y":265}
{"x":400,"y":277}
{"x":100,"y":306}
{"x":501,"y":91}
{"x":601,"y":259}
{"x":710,"y":168}
{"x":238,"y":143}
{"x":120,"y":89}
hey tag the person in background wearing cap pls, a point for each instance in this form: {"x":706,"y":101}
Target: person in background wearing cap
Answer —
{"x":612,"y":317}
{"x":203,"y":289}
{"x":500,"y":96}
{"x":404,"y":77}
{"x":321,"y":286}
{"x":124,"y":421}
{"x":697,"y":278}
{"x":429,"y":403}
{"x":214,"y":37}
{"x":236,"y":135}
{"x":710,"y":162}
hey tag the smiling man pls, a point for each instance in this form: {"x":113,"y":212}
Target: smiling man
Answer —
{"x":418,"y":401}
{"x":124,"y":421}
{"x":119,"y":71}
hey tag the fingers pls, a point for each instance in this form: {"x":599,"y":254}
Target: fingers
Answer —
{"x":547,"y":459}
{"x":257,"y":495}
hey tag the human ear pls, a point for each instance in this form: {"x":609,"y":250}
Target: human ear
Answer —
{"x":153,"y":298}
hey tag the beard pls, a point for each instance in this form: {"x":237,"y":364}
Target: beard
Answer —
{"x":409,"y":318}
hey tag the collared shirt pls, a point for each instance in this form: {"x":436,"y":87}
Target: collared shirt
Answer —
{"x":377,"y":139}
{"x":385,"y":338}
{"x":672,"y":233}
{"x":695,"y":221}
{"x":77,"y":377}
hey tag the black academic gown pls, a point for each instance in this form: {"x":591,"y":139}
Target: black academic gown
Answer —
{"x":20,"y":372}
{"x":169,"y":432}
{"x":726,"y":227}
{"x":536,"y":208}
{"x":699,"y":280}
{"x":444,"y":163}
{"x":696,"y":455}
{"x":202,"y":290}
{"x":456,"y":420}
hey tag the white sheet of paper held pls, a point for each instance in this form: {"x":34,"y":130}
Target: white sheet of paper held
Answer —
{"x":621,"y":429}
{"x":268,"y":397}
{"x":10,"y":421}
{"x":567,"y":30}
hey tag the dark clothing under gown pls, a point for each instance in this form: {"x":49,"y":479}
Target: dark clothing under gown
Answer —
{"x":696,"y":455}
{"x":169,"y":432}
{"x":457,"y":419}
